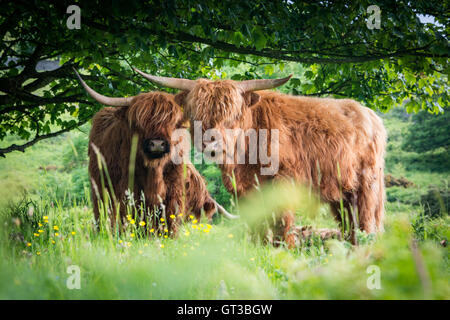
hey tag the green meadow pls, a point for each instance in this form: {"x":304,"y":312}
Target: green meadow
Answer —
{"x":48,"y":228}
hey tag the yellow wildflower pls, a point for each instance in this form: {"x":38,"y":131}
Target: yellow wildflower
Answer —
{"x":132,"y":235}
{"x":55,"y":228}
{"x":194,"y":221}
{"x":120,"y":241}
{"x":187,"y":233}
{"x":53,"y":241}
{"x":230,"y":235}
{"x":28,"y":244}
{"x":152,"y":230}
{"x":166,"y":230}
{"x":129,"y":244}
{"x":40,"y":231}
{"x":208,"y":226}
{"x":45,"y":217}
{"x":36,"y":234}
{"x":73,"y":233}
{"x":40,"y":224}
{"x":56,"y":234}
{"x":128,"y":217}
{"x":161,"y":245}
{"x":132,"y":221}
{"x":165,"y":237}
{"x":162,"y":219}
{"x":191,"y":216}
{"x":205,"y":230}
{"x":145,"y":244}
{"x":172,"y":216}
{"x":38,"y":253}
{"x":142,"y":223}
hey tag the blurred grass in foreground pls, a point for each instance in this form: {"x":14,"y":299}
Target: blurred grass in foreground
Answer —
{"x":41,"y":239}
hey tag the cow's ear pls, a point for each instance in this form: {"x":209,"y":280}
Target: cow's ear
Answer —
{"x":251,"y":98}
{"x":121,"y":113}
{"x":180,"y":98}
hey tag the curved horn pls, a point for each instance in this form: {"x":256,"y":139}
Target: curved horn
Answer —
{"x":115,"y":102}
{"x":253,"y":85}
{"x":175,"y":83}
{"x":224,"y":212}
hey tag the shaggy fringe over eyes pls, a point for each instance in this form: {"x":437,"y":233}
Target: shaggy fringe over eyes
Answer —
{"x":153,"y":111}
{"x":215,"y":102}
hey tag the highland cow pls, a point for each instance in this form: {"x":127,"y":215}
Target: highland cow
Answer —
{"x":336,"y":146}
{"x":167,"y":190}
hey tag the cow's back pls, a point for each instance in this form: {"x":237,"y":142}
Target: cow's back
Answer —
{"x":322,"y":138}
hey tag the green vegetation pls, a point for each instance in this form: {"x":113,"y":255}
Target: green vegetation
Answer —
{"x":47,"y":226}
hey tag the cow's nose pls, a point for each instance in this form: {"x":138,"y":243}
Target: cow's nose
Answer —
{"x":156,"y":147}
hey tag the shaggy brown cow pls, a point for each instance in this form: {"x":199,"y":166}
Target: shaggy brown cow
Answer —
{"x":158,"y":181}
{"x":336,"y":146}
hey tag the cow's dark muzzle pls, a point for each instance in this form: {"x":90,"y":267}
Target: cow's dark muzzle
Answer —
{"x":156,"y":148}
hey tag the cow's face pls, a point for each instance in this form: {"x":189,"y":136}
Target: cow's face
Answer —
{"x":220,"y":107}
{"x":216,"y":104}
{"x":154,"y":117}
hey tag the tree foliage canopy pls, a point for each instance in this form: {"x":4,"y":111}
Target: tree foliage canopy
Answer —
{"x":404,"y":60}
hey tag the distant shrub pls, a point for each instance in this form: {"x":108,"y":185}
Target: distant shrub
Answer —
{"x":75,"y":162}
{"x":75,"y":151}
{"x":215,"y":185}
{"x":409,"y":196}
{"x":436,"y":201}
{"x":428,"y":132}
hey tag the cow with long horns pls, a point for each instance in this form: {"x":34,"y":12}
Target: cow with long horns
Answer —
{"x":336,"y":146}
{"x":167,"y":189}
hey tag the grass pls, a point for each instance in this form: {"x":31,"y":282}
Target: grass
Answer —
{"x":222,"y":263}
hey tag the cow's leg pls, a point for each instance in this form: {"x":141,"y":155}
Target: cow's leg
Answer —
{"x":284,"y":230}
{"x":352,"y":209}
{"x":209,"y":208}
{"x":367,"y":203}
{"x":379,"y":208}
{"x":288,"y":221}
{"x":175,"y":206}
{"x":349,"y":215}
{"x":95,"y":208}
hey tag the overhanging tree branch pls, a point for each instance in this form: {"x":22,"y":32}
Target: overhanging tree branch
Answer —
{"x":37,"y":138}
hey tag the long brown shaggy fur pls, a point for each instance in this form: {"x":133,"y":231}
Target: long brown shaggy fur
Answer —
{"x":335,"y":145}
{"x":160,"y":181}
